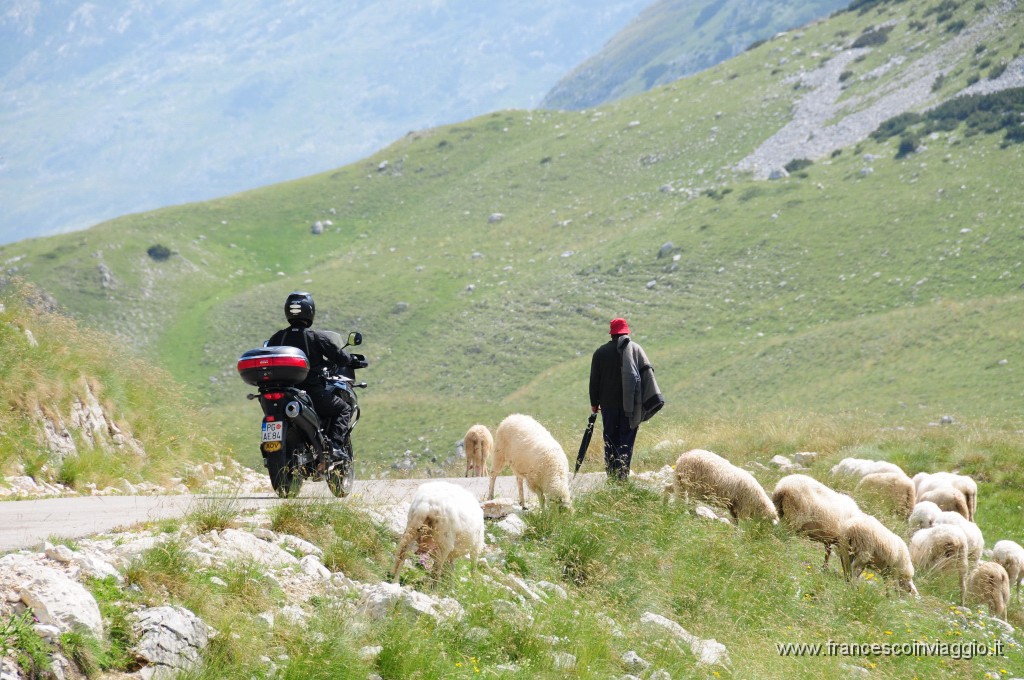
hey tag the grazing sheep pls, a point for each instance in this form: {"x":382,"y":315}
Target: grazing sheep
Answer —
{"x":990,"y":584}
{"x":975,"y":539}
{"x":710,"y":477}
{"x":947,"y":498}
{"x":964,"y":484}
{"x":923,"y":515}
{"x":938,"y":548}
{"x":479,"y":444}
{"x":1010,"y":554}
{"x":813,"y":509}
{"x":894,"y":489}
{"x":534,"y":456}
{"x":447,"y":520}
{"x":864,"y":541}
{"x":858,"y":467}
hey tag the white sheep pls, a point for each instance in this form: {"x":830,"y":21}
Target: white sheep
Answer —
{"x":710,"y":477}
{"x":923,"y":516}
{"x":864,"y":541}
{"x":478,"y":444}
{"x":975,"y":539}
{"x":947,"y":498}
{"x":1010,"y":554}
{"x":813,"y":509}
{"x":990,"y":584}
{"x":938,"y":548}
{"x":445,"y":521}
{"x":894,"y":489}
{"x":858,"y":467}
{"x":534,"y":456}
{"x":925,"y":481}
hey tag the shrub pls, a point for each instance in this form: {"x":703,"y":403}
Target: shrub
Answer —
{"x":872,"y":37}
{"x":939,"y":81}
{"x":798,"y":164}
{"x":997,"y":71}
{"x":908,"y":145}
{"x":159,"y":252}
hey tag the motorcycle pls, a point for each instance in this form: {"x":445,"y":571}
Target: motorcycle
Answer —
{"x":294,"y":444}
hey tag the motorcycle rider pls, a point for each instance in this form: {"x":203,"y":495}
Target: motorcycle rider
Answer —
{"x":299,"y":310}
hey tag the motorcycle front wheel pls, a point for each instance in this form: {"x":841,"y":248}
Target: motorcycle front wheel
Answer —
{"x":285,"y":480}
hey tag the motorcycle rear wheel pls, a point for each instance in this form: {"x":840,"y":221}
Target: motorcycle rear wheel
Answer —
{"x":342,"y":478}
{"x":283,"y":478}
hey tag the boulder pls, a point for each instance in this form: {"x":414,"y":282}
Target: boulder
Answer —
{"x":708,"y":652}
{"x":170,"y":640}
{"x":379,"y":600}
{"x":55,"y":599}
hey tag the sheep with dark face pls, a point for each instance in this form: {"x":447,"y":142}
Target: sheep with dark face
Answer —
{"x":813,"y":509}
{"x":866,"y":542}
{"x":707,"y":476}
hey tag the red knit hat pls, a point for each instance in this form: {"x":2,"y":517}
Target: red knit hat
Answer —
{"x":619,"y":327}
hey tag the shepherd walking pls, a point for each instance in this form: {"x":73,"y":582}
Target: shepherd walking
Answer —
{"x":623,"y":389}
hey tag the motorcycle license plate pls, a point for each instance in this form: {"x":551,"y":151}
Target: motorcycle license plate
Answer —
{"x":273,"y":432}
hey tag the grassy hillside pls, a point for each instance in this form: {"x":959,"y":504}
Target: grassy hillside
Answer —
{"x":621,"y":553}
{"x":675,"y":38}
{"x":124,"y":417}
{"x":863,"y":283}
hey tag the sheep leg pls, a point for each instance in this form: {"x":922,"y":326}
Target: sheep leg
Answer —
{"x":490,"y":492}
{"x":828,"y":553}
{"x":408,"y":538}
{"x":522,"y":497}
{"x":440,"y":561}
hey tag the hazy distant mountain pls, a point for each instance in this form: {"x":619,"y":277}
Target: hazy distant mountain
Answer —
{"x":674,"y":38}
{"x":112,"y":107}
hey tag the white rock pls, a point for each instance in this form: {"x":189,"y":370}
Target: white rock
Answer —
{"x":55,"y":598}
{"x":805,"y":457}
{"x":498,"y":507}
{"x":379,"y":600}
{"x":513,"y":525}
{"x":708,"y":652}
{"x":370,"y":653}
{"x":634,"y":663}
{"x":299,"y":545}
{"x":234,"y":545}
{"x":564,"y":661}
{"x":312,"y":566}
{"x":170,"y":639}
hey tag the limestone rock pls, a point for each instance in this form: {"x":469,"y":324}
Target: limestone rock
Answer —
{"x":170,"y":640}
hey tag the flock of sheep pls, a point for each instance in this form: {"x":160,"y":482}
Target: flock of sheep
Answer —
{"x":446,"y":521}
{"x":939,"y":508}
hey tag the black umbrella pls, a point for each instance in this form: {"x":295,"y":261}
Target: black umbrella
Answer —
{"x":587,"y":434}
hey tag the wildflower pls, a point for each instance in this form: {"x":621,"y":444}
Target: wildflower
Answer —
{"x":888,"y":632}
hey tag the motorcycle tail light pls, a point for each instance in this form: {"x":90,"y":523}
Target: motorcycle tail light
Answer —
{"x":273,"y":396}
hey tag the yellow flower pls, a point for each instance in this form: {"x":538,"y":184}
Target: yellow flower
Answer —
{"x":888,"y":632}
{"x":458,"y":664}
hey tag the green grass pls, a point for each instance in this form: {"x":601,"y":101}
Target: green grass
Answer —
{"x":51,"y":367}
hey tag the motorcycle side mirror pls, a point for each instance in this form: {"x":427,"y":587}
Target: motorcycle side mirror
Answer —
{"x":355,"y":338}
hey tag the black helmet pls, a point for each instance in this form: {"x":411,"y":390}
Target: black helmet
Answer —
{"x":300,"y":309}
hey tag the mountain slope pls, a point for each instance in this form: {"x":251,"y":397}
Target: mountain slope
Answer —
{"x":110,"y":108}
{"x":483,"y":260}
{"x":675,"y":38}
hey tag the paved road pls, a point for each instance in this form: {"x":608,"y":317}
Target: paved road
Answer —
{"x":25,"y":524}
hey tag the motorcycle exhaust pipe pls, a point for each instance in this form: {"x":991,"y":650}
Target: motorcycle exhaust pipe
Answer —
{"x":292,"y":409}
